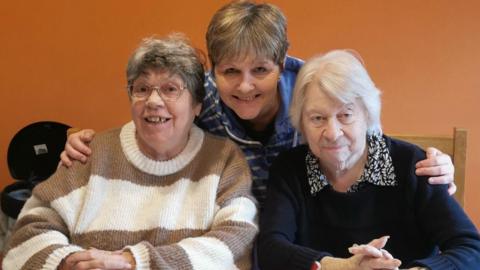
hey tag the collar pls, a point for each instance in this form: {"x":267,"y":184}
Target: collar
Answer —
{"x":138,"y":159}
{"x":378,"y":170}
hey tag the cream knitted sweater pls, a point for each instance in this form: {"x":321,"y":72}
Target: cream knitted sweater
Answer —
{"x":192,"y":212}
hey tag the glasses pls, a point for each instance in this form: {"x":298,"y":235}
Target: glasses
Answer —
{"x":168,"y":91}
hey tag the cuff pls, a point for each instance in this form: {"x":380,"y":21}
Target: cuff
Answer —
{"x":141,"y":254}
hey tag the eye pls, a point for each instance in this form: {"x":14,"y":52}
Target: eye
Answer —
{"x":345,"y":118}
{"x":170,"y":88}
{"x":230,"y":71}
{"x":141,"y":89}
{"x":260,"y":70}
{"x":317,"y":119}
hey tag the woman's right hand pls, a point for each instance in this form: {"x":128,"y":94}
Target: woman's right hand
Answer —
{"x":97,"y":259}
{"x":373,"y":256}
{"x":370,"y":256}
{"x":76,"y":147}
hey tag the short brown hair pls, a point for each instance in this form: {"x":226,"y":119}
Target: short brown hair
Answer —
{"x":241,"y":27}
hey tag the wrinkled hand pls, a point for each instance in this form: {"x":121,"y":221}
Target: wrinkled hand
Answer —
{"x":98,"y":259}
{"x":373,"y":256}
{"x":439,"y":166}
{"x":76,"y":147}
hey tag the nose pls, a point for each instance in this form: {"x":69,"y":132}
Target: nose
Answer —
{"x":155,"y":100}
{"x":333,"y":130}
{"x":247,"y":83}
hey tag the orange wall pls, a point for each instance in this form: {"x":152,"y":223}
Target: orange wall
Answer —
{"x":64,"y":60}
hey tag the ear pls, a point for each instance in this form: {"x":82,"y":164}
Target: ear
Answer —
{"x":197,"y":108}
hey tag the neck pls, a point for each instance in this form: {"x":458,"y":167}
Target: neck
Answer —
{"x":161,"y":154}
{"x":343,"y":176}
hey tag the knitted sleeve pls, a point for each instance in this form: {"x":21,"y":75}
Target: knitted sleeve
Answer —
{"x":40,"y":238}
{"x":227,"y":245}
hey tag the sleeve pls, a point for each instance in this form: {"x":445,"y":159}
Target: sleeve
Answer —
{"x":445,"y":223}
{"x":40,"y":237}
{"x":228,"y":243}
{"x":278,"y":223}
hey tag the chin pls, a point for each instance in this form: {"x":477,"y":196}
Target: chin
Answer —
{"x":246,"y":115}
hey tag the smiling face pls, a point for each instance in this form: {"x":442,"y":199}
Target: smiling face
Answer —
{"x":162,"y":128}
{"x":335,"y":132}
{"x":248,"y":86}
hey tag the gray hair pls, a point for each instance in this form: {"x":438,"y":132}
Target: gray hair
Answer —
{"x":340,"y":75}
{"x":241,"y":27}
{"x":174,"y":54}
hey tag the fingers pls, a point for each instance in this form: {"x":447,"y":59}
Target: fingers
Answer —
{"x":434,"y":158}
{"x":386,"y":254}
{"x":94,"y":258}
{"x":452,"y":188}
{"x":87,"y":135}
{"x":438,"y":180}
{"x":432,"y":151}
{"x":76,"y":147}
{"x":65,"y":160}
{"x":445,"y":170}
{"x":72,"y":154}
{"x":379,"y":243}
{"x":76,"y":257}
{"x":380,"y":263}
{"x":438,"y":165}
{"x":80,"y":140}
{"x":365,"y":250}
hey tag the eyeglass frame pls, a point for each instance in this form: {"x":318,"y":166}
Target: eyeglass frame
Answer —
{"x":159,"y":91}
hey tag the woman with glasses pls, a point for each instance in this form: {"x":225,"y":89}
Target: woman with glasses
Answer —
{"x":157,"y":193}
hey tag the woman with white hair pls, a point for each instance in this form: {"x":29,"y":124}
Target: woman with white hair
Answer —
{"x":352,"y":184}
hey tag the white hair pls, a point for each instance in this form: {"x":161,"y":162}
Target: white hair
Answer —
{"x":340,"y":75}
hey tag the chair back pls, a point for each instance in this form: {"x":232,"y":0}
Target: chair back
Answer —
{"x":455,"y":146}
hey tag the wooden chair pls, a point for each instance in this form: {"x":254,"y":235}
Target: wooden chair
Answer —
{"x":455,"y":147}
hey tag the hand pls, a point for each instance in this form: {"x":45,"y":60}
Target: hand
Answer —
{"x":76,"y":147}
{"x":98,"y":259}
{"x":439,"y":166}
{"x":373,"y":256}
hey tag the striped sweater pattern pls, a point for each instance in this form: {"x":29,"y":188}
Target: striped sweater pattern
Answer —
{"x":195,"y":211}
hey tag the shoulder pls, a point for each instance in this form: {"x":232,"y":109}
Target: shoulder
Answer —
{"x":291,"y":158}
{"x":66,"y":180}
{"x":405,"y":152}
{"x":405,"y":155}
{"x":289,"y":76}
{"x":216,"y":145}
{"x":293,"y":64}
{"x":105,"y":139}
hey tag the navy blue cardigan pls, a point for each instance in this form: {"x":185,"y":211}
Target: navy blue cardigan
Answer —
{"x":297,"y":228}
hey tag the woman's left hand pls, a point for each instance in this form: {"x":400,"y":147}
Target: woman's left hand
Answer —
{"x":98,"y":259}
{"x":439,"y":166}
{"x":373,"y":256}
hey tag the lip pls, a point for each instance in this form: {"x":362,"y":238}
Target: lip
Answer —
{"x":246,"y":99}
{"x":333,"y":147}
{"x":159,"y":122}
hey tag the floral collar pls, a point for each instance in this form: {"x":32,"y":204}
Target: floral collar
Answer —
{"x":378,"y":170}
